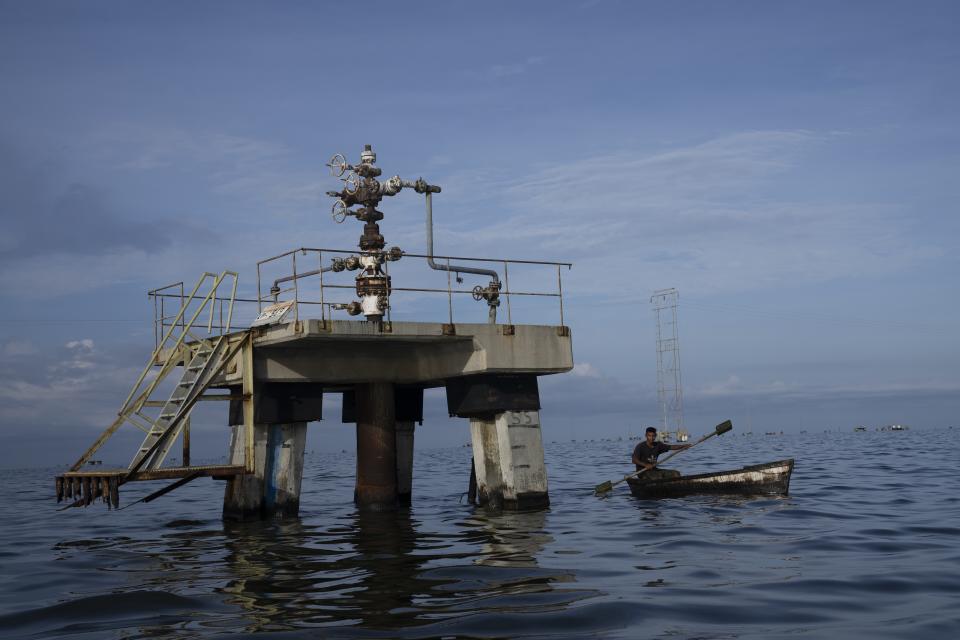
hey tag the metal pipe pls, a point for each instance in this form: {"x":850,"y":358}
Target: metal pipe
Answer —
{"x":297,"y":276}
{"x":449,"y":267}
{"x":492,"y":315}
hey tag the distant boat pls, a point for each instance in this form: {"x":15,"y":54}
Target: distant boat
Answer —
{"x":772,"y":478}
{"x":860,"y":428}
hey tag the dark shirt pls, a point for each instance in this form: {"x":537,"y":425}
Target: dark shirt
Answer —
{"x":648,"y":454}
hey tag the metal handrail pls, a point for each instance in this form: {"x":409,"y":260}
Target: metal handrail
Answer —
{"x":161,"y":319}
{"x":277,"y":293}
{"x":417,"y":255}
{"x":186,"y":326}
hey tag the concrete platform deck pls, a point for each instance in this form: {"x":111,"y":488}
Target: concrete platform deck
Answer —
{"x":345,"y":352}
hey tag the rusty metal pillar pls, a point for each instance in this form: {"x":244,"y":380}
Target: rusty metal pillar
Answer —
{"x":376,"y":487}
{"x":405,"y":430}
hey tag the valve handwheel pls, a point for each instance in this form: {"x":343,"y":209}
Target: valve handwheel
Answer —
{"x":337,"y":164}
{"x":478,"y":293}
{"x":351,"y":184}
{"x":339,"y":211}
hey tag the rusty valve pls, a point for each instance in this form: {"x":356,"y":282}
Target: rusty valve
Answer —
{"x":353,"y":308}
{"x":490,"y":293}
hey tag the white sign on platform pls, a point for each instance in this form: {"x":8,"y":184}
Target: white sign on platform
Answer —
{"x":273,"y":314}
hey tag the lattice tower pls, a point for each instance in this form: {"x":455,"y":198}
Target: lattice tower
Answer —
{"x":669,"y":388}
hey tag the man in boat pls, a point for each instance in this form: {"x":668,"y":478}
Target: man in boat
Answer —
{"x":645,"y":456}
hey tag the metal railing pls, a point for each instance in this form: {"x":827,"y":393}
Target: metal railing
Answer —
{"x":319,"y":291}
{"x":172,"y":297}
{"x":298,"y":293}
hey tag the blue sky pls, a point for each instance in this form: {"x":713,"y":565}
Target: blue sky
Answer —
{"x":791,"y":168}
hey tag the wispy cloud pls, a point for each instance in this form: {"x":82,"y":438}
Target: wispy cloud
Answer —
{"x":143,"y":148}
{"x":515,"y":68}
{"x":254,"y":170}
{"x":701,"y":217}
{"x":584,"y":370}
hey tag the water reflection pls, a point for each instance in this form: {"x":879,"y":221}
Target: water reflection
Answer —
{"x":364,"y":571}
{"x":385,"y":571}
{"x":510,"y":539}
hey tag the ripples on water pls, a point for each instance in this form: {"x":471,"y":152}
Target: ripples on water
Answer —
{"x":866,"y":546}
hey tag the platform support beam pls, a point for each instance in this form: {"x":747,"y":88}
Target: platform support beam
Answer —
{"x":508,"y":460}
{"x":376,"y":485}
{"x":273,"y":489}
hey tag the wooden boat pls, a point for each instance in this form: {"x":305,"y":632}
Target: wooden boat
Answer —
{"x":772,"y":478}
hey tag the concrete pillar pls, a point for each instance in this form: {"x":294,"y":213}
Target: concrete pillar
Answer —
{"x":376,"y":487}
{"x":273,"y":489}
{"x":508,"y":460}
{"x":404,"y":461}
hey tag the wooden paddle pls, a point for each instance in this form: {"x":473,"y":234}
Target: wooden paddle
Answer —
{"x":604,"y":487}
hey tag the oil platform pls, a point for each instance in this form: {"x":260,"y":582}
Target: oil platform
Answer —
{"x":273,"y":374}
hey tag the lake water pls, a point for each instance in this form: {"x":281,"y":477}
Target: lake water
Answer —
{"x":866,"y":546}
